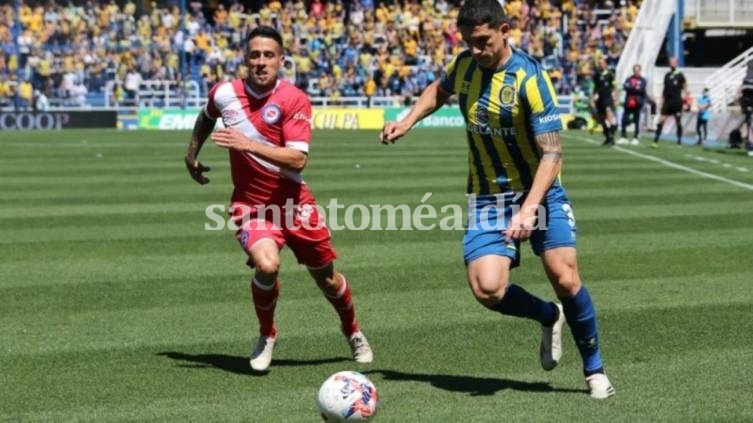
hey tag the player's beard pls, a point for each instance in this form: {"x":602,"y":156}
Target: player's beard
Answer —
{"x":263,"y":80}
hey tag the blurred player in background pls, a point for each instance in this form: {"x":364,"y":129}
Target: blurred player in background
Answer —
{"x":603,"y":100}
{"x":515,"y":157}
{"x":746,"y":105}
{"x":268,"y":132}
{"x":704,"y":114}
{"x":635,"y":100}
{"x":675,"y":88}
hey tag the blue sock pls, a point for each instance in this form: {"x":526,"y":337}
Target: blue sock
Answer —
{"x":518,"y":302}
{"x":581,"y":316}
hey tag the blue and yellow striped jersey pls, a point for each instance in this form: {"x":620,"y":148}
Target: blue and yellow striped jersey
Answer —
{"x":504,"y":110}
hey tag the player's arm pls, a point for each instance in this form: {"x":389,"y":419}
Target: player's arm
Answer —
{"x":289,"y":158}
{"x":296,"y":132}
{"x":430,"y":100}
{"x":201,"y":130}
{"x":539,"y":99}
{"x":550,"y":165}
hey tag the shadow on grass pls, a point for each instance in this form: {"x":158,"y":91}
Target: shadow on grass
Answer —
{"x":475,"y":386}
{"x":238,"y":364}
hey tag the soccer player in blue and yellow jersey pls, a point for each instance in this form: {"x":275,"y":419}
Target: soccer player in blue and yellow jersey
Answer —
{"x":515,"y":157}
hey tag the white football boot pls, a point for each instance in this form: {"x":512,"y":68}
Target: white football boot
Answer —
{"x":550,"y":351}
{"x":599,"y":386}
{"x":635,"y":141}
{"x":360,"y":348}
{"x":261,"y":357}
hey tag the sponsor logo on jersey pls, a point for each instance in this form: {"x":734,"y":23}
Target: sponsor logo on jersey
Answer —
{"x":486,"y":130}
{"x":231,"y":116}
{"x":549,"y":118}
{"x":301,"y":116}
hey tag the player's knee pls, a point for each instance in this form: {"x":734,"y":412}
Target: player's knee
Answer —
{"x":567,"y":284}
{"x":489,"y":292}
{"x":268,"y":264}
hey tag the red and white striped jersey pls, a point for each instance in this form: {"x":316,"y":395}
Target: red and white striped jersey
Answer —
{"x":278,"y":118}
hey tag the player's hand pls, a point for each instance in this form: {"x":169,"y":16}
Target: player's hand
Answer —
{"x":231,"y":139}
{"x":196,"y":170}
{"x":391,"y":132}
{"x":521,"y":224}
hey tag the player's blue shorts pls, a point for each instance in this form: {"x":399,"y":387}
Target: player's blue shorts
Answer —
{"x":487,"y":222}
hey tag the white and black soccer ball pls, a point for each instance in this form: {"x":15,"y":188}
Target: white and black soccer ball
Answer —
{"x":347,"y":396}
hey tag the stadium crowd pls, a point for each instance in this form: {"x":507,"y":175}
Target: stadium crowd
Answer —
{"x":69,"y":50}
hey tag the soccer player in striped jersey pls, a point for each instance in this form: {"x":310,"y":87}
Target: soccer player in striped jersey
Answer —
{"x":267,"y":134}
{"x":514,"y":159}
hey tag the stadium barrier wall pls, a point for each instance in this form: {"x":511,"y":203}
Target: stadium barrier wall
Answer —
{"x":59,"y":119}
{"x":167,"y":119}
{"x":446,"y":117}
{"x":322,"y":118}
{"x":347,"y":118}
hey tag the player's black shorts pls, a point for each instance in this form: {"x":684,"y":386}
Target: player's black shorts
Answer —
{"x":671,"y":107}
{"x":603,"y":106}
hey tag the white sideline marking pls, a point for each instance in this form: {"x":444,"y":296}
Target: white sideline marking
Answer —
{"x":679,"y":166}
{"x":714,"y":161}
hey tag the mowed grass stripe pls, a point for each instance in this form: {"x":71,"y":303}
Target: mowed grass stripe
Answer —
{"x":108,"y":333}
{"x":447,"y":185}
{"x":130,"y":247}
{"x":196,"y":289}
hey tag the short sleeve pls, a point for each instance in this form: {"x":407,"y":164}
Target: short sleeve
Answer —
{"x":210,"y":109}
{"x":541,"y":102}
{"x":447,"y":83}
{"x":296,"y":125}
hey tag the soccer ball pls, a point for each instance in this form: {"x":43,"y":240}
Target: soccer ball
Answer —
{"x":347,"y":396}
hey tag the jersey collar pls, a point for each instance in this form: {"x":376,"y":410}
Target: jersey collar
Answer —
{"x":507,"y":63}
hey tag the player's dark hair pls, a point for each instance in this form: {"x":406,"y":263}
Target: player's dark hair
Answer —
{"x":479,"y":12}
{"x":264,"y":32}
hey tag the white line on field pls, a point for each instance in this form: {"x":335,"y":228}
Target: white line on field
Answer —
{"x":714,"y":161}
{"x":678,"y":166}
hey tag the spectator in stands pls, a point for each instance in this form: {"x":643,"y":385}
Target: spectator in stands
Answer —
{"x":78,"y":94}
{"x":5,"y":90}
{"x":93,"y":42}
{"x":369,"y":90}
{"x":41,"y":102}
{"x":131,"y":83}
{"x":25,"y":95}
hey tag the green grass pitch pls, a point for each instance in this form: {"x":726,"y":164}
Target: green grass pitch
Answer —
{"x":117,"y":305}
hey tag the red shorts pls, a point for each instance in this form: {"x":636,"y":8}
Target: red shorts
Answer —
{"x":305,"y":232}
